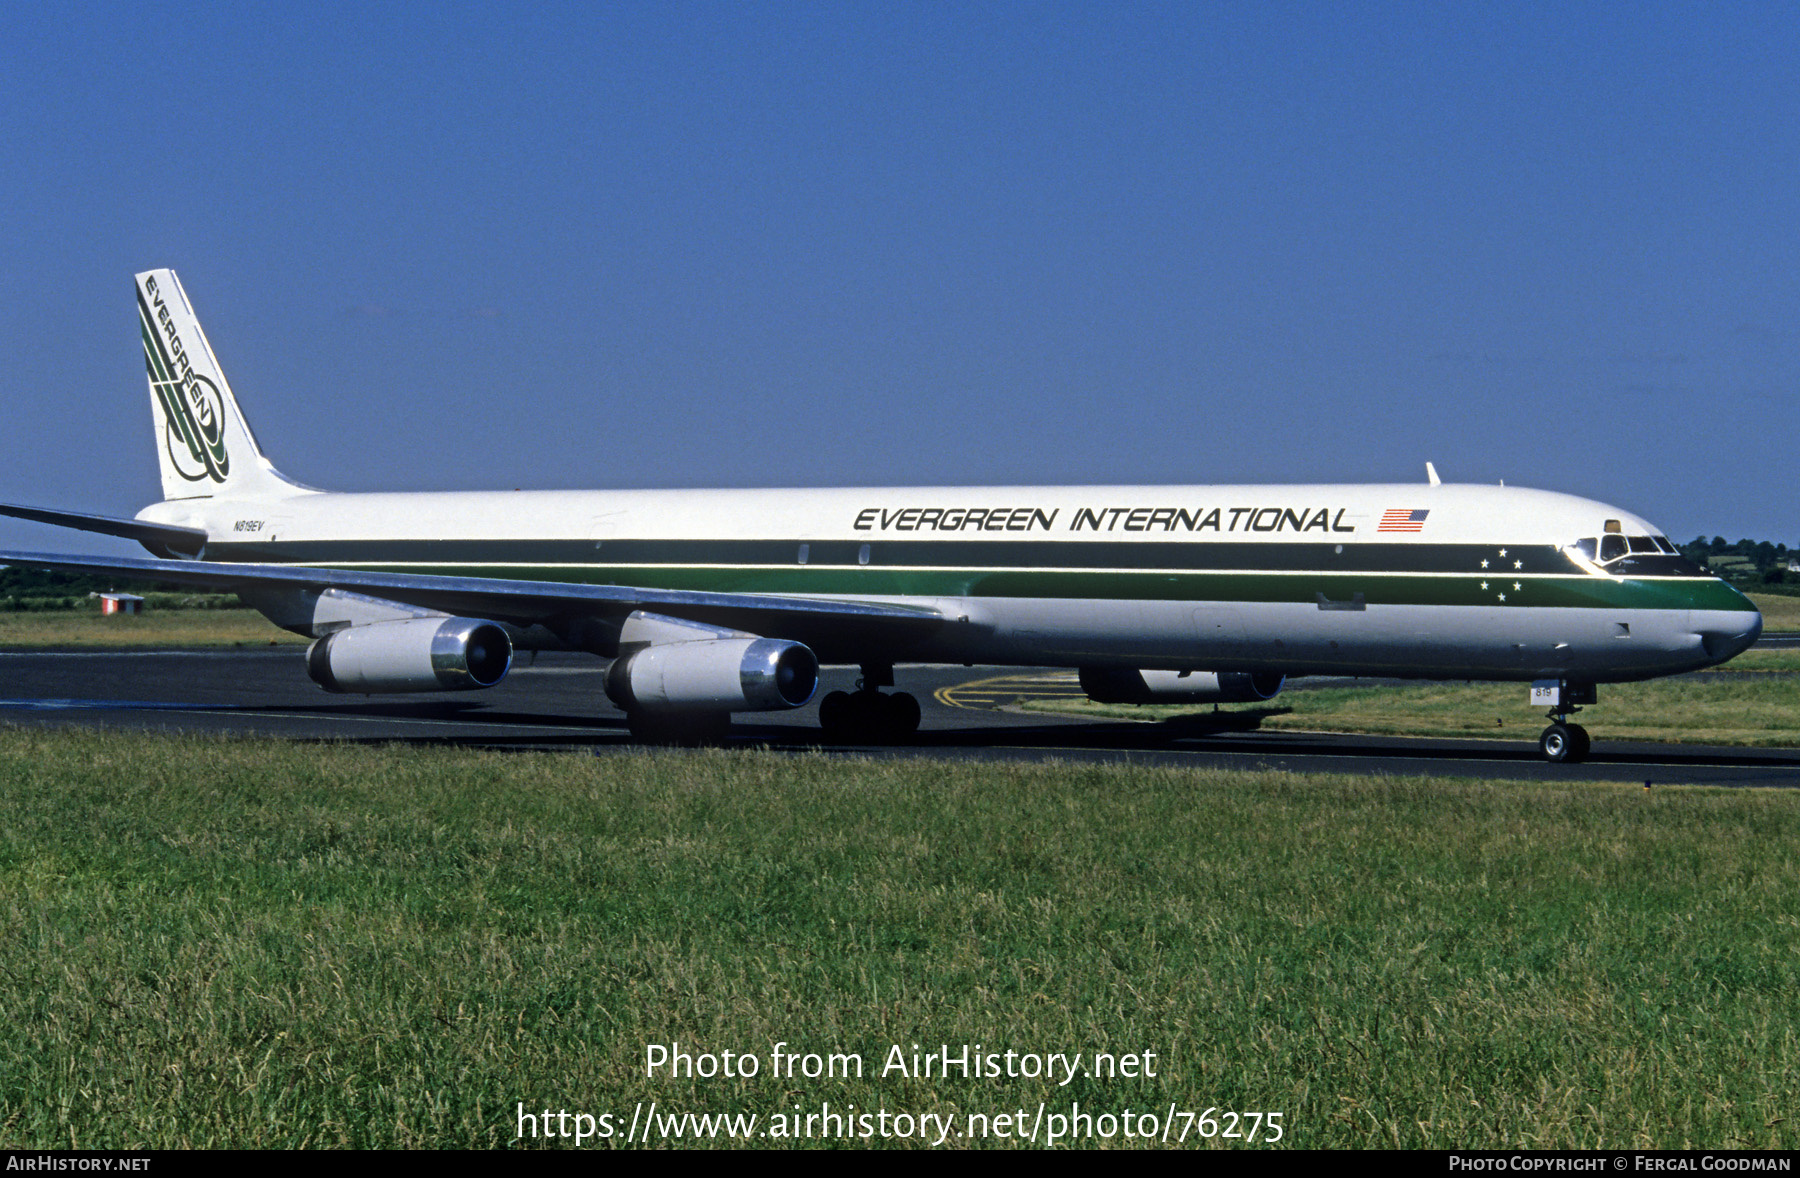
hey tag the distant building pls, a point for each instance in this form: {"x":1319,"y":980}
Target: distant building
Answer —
{"x":121,"y":603}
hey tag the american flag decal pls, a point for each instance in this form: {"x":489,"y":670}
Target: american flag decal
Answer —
{"x":1402,"y":519}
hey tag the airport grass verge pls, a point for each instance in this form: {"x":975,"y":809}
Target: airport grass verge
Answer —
{"x":220,"y":942}
{"x":1781,"y":612}
{"x":86,"y":627}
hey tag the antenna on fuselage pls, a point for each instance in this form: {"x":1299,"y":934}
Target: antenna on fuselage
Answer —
{"x":1431,"y":475}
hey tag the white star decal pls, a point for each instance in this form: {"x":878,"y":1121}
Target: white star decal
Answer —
{"x":1516,"y":585}
{"x":1484,"y":564}
{"x":1503,"y":597}
{"x":1503,"y":552}
{"x":1518,"y":564}
{"x":1484,"y":584}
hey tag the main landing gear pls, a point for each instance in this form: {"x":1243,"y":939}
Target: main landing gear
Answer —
{"x":867,"y":715}
{"x":1563,"y":742}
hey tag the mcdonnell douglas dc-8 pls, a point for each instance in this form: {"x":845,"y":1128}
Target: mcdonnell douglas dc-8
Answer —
{"x":711,"y":602}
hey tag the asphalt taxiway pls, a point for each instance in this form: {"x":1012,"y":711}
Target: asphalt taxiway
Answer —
{"x":970,"y":713}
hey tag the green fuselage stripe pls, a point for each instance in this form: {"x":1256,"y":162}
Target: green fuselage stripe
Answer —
{"x":1111,"y":555}
{"x":1326,"y":589}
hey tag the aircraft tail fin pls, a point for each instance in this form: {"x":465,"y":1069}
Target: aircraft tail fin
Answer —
{"x":204,"y":445}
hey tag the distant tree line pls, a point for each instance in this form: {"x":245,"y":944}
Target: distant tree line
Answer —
{"x":33,"y":590}
{"x":24,"y":582}
{"x":1757,"y":563}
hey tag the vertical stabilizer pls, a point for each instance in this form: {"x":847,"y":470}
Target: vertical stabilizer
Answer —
{"x":204,"y":445}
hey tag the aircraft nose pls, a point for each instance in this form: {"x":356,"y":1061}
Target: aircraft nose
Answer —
{"x":1727,"y":635}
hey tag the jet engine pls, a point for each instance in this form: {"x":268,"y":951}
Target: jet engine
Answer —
{"x":1105,"y":685}
{"x":417,"y":654}
{"x":717,"y":675}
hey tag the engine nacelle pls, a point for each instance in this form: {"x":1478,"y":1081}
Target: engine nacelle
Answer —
{"x":418,"y":654}
{"x":717,"y":675}
{"x":1110,"y":686}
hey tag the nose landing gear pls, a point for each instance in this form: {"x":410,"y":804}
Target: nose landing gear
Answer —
{"x":1563,"y":742}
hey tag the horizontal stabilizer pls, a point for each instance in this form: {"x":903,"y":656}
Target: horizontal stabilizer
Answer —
{"x":162,"y":539}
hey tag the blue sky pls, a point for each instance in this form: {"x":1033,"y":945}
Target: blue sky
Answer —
{"x":452,"y":246}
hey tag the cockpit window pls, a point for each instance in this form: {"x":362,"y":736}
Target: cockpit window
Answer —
{"x":1635,"y":556}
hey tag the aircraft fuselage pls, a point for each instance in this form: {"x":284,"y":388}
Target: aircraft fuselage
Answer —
{"x":1406,"y":580}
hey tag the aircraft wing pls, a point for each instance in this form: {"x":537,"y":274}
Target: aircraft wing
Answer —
{"x":838,"y":631}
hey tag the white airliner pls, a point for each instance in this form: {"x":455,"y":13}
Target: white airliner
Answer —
{"x":714,"y":602}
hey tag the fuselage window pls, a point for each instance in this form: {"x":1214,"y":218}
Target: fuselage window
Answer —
{"x":1644,"y":544}
{"x":1586,"y":546}
{"x":1612,"y":547}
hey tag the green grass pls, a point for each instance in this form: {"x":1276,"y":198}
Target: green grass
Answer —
{"x":86,"y":626}
{"x":1779,"y":612}
{"x":1754,"y":660}
{"x":260,"y":944}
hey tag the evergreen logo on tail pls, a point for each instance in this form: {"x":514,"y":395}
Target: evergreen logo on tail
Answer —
{"x":192,"y":409}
